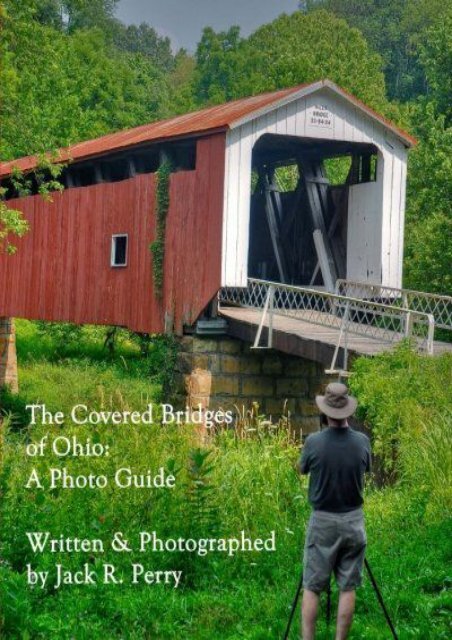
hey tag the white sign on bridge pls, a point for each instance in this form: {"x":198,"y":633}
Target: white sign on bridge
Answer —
{"x":320,"y":116}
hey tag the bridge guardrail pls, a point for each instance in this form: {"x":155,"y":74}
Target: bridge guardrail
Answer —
{"x":439,"y":306}
{"x":386,"y":323}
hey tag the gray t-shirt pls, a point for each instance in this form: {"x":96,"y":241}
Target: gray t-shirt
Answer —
{"x":336,"y":459}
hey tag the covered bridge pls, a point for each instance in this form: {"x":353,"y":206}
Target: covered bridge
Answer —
{"x":301,"y":186}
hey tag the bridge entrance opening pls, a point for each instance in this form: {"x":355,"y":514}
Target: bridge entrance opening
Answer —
{"x":299,"y":207}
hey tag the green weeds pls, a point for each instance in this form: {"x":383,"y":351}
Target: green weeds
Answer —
{"x":240,"y":479}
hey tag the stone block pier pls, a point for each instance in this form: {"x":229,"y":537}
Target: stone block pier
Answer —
{"x":226,"y":373}
{"x":8,"y":357}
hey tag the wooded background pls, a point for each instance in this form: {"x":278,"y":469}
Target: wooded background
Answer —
{"x":70,"y":71}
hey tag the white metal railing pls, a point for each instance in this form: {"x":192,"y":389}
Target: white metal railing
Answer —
{"x":383,"y":322}
{"x":440,"y":307}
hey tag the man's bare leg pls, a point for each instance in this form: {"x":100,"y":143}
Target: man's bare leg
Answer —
{"x":345,"y":613}
{"x":309,"y":609}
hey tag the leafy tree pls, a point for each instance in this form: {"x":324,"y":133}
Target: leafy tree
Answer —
{"x":85,"y":14}
{"x":220,"y":58}
{"x":428,"y":233}
{"x":288,"y":51}
{"x":428,"y":247}
{"x":430,"y":165}
{"x":70,"y":16}
{"x":12,"y":224}
{"x":84,"y":88}
{"x":395,"y":29}
{"x":435,"y":55}
{"x":47,"y":12}
{"x":428,"y":254}
{"x":66,"y":15}
{"x":181,"y":82}
{"x":145,"y":40}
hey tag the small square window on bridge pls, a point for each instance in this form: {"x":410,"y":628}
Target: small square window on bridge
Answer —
{"x":119,"y":245}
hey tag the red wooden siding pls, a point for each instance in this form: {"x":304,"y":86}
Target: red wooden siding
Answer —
{"x":194,"y":234}
{"x":62,"y":271}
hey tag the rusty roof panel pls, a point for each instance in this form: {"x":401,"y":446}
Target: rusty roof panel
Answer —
{"x":198,"y":122}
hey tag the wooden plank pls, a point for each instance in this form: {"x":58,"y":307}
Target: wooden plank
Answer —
{"x":313,"y":197}
{"x":231,"y":211}
{"x":195,"y":234}
{"x":401,"y":242}
{"x":322,"y":186}
{"x":364,"y":232}
{"x":276,"y":197}
{"x":322,"y":256}
{"x":317,"y":212}
{"x":291,"y":214}
{"x":318,"y":206}
{"x":386,"y":186}
{"x":243,"y":212}
{"x":395,"y":248}
{"x":273,"y":226}
{"x":337,"y":246}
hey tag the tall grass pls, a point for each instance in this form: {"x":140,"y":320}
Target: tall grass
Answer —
{"x":399,"y":393}
{"x":239,"y":479}
{"x":426,"y":462}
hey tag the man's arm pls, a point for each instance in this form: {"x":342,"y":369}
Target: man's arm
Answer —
{"x":305,"y":458}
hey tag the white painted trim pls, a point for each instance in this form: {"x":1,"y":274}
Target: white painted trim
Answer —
{"x":296,"y":95}
{"x":312,"y":88}
{"x":113,"y":247}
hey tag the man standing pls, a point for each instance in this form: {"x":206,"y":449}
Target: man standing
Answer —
{"x":336,"y":459}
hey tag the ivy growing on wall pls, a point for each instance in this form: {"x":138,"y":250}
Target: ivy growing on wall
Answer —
{"x":158,"y":246}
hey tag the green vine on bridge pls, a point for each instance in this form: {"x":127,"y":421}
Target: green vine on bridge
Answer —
{"x":158,"y":246}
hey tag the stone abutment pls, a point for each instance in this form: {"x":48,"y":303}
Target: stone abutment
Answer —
{"x":8,"y":356}
{"x":226,"y":373}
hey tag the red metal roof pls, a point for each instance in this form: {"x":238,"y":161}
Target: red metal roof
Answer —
{"x":198,"y":122}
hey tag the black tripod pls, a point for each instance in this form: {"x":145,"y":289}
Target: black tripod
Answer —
{"x":328,"y":606}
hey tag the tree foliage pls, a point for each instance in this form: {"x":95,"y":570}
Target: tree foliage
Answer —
{"x":143,"y":39}
{"x":65,"y":15}
{"x":428,"y":254}
{"x":12,"y":224}
{"x":291,"y":50}
{"x":70,"y":70}
{"x":435,"y":55}
{"x":428,"y":248}
{"x":395,"y":29}
{"x":84,"y":88}
{"x":62,"y":81}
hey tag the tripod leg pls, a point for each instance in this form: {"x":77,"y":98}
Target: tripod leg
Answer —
{"x":380,"y":600}
{"x":294,"y":606}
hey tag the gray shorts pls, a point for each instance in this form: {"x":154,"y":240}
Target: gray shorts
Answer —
{"x":335,"y":542}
